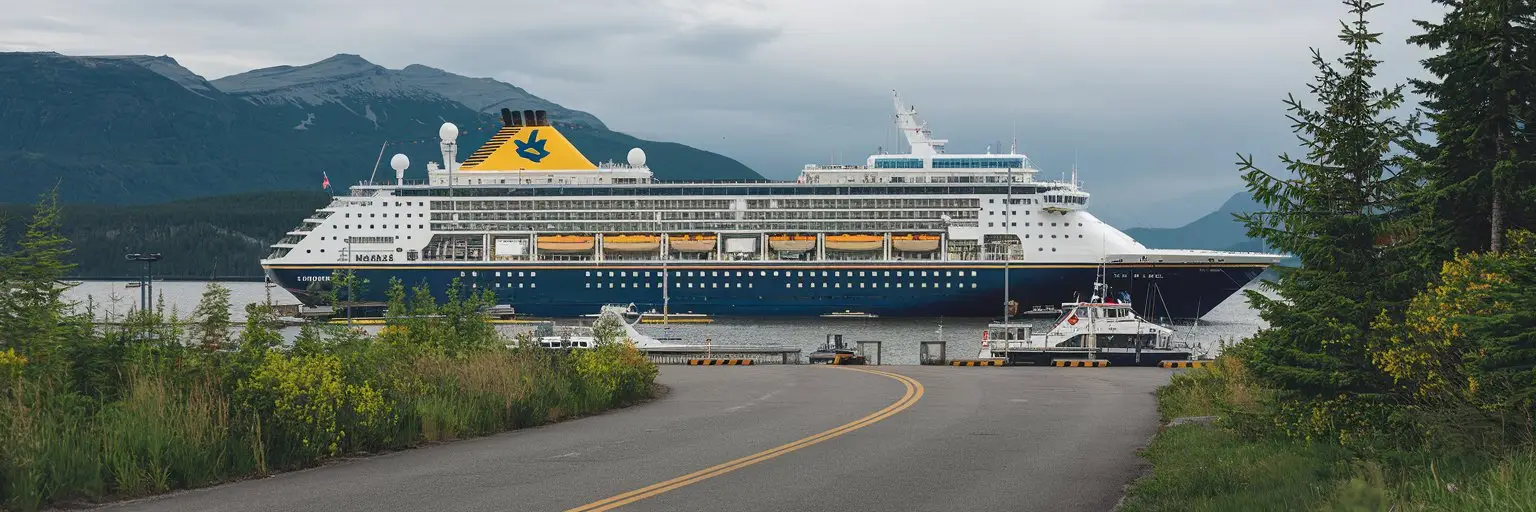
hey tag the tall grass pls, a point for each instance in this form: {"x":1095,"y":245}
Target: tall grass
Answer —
{"x":1238,"y":464}
{"x":208,"y":419}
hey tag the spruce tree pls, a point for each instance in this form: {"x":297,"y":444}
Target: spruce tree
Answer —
{"x":1479,"y":171}
{"x":1333,"y":210}
{"x":211,"y":330}
{"x":34,"y":274}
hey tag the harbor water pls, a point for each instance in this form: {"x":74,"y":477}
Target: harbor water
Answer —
{"x":900,"y":337}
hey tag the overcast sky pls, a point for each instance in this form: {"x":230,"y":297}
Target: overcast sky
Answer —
{"x":1151,"y":98}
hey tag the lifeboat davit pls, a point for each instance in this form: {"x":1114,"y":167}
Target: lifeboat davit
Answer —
{"x":791,"y":243}
{"x":631,"y":243}
{"x":692,"y":243}
{"x":854,"y":243}
{"x":566,"y":243}
{"x":916,"y":242}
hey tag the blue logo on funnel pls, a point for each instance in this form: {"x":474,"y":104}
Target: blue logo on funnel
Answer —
{"x":533,"y":148}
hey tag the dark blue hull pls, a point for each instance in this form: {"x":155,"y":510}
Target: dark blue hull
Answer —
{"x":908,"y":289}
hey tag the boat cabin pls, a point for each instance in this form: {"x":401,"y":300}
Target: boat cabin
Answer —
{"x":1105,"y":325}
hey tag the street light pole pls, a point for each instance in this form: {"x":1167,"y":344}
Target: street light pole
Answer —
{"x":351,"y":260}
{"x":146,"y":283}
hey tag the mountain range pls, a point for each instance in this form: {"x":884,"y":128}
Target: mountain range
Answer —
{"x":1218,"y":230}
{"x":140,"y":129}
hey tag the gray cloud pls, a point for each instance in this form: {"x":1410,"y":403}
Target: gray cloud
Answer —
{"x":726,"y":42}
{"x":1148,"y":98}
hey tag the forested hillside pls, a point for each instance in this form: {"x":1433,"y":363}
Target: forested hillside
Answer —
{"x":224,"y":236}
{"x":140,"y":130}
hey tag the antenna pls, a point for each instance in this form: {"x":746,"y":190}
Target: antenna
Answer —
{"x":376,"y":162}
{"x":1074,"y":167}
{"x":1013,"y":147}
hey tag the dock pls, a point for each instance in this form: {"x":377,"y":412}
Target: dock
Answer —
{"x":675,"y":354}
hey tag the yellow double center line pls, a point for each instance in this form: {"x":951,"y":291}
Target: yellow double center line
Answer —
{"x":913,"y":394}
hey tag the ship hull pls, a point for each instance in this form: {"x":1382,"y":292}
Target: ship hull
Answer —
{"x":888,"y":289}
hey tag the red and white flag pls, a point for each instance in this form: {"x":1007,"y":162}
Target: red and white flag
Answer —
{"x":325,"y":182}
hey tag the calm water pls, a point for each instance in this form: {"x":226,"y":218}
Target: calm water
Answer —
{"x":899,"y":337}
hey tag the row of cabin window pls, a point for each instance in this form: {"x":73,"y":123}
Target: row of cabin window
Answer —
{"x":348,"y":215}
{"x":674,"y":285}
{"x":797,"y":273}
{"x":786,"y":285}
{"x":750,"y":273}
{"x":374,"y":226}
{"x":1042,"y":224}
{"x":476,"y":273}
{"x":396,"y":237}
{"x":878,"y":285}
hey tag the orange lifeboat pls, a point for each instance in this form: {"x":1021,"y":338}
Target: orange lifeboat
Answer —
{"x":791,"y":243}
{"x":566,"y":243}
{"x":915,"y":242}
{"x":855,"y":243}
{"x":631,"y":243}
{"x":692,"y":243}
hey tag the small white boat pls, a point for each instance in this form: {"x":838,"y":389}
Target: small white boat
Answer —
{"x":584,"y":337}
{"x":1043,"y":312}
{"x":627,"y":311}
{"x":849,"y":314}
{"x":653,"y":317}
{"x":573,"y":337}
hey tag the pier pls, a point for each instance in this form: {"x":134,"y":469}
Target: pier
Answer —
{"x":758,"y":355}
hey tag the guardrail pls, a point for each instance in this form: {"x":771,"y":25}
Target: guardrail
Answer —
{"x":758,"y":355}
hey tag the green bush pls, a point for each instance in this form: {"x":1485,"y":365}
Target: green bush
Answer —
{"x":145,"y":408}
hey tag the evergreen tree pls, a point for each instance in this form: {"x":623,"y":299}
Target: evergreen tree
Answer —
{"x":34,"y":308}
{"x":1343,"y":198}
{"x":1479,"y":172}
{"x":211,"y":330}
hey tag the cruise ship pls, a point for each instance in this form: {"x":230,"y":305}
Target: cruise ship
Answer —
{"x":920,"y":234}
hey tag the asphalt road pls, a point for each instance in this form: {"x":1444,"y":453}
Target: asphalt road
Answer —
{"x":1054,"y":439}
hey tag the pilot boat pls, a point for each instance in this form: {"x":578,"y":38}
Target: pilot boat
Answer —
{"x":1108,"y":330}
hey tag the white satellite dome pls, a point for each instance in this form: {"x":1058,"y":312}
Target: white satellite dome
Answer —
{"x":448,"y":132}
{"x":399,"y":162}
{"x":637,"y":157}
